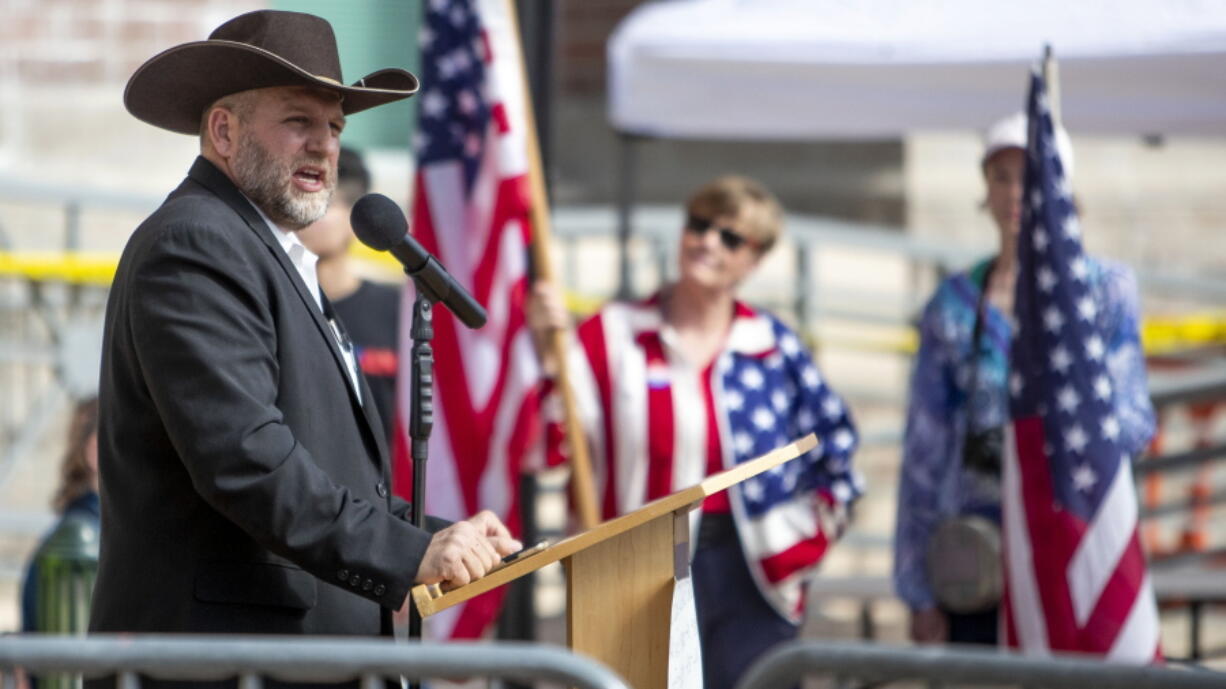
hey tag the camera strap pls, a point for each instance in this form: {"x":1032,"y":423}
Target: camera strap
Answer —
{"x":962,"y":557}
{"x":976,"y":355}
{"x":977,"y":333}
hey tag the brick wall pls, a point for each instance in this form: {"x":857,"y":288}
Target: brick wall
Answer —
{"x":87,"y":41}
{"x":583,"y":30}
{"x":63,"y":66}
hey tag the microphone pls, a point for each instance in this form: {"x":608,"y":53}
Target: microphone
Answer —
{"x":378,"y":223}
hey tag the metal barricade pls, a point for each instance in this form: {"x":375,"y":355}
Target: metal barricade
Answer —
{"x":295,"y":659}
{"x":787,"y":665}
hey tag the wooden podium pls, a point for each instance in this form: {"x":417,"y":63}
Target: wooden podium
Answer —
{"x":620,"y":576}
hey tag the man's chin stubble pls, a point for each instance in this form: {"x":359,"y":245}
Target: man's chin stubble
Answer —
{"x":298,"y":213}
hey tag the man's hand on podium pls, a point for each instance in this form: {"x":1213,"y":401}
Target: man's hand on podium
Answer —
{"x":466,"y":551}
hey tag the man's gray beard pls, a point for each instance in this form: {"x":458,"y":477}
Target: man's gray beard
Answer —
{"x":268,"y":183}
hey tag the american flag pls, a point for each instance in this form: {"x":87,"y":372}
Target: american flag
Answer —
{"x":471,"y":205}
{"x":1075,"y":577}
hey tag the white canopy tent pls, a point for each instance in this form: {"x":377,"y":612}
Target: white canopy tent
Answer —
{"x":808,"y":69}
{"x":878,"y":69}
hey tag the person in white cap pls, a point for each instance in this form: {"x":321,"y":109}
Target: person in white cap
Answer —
{"x":958,"y":404}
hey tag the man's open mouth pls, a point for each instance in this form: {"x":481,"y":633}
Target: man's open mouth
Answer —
{"x":310,"y":178}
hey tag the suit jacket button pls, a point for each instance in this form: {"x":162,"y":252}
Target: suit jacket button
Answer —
{"x":379,"y":590}
{"x":367,"y":584}
{"x":343,"y":574}
{"x":381,"y":489}
{"x":355,"y":580}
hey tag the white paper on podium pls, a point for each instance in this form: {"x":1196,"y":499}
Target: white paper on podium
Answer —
{"x":684,"y":650}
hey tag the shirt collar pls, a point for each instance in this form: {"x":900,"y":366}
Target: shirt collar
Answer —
{"x":298,"y":253}
{"x":751,"y":331}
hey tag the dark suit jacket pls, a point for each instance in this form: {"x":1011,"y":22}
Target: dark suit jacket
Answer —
{"x":244,"y":487}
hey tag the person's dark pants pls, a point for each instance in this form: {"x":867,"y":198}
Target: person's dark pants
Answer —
{"x":973,"y":628}
{"x":735,"y":624}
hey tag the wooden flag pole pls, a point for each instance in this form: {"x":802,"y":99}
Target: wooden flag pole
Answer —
{"x":581,"y":481}
{"x":1051,"y":77}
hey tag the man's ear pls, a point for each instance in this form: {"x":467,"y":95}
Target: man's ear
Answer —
{"x":221,"y":128}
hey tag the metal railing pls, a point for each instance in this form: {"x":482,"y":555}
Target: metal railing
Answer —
{"x":295,"y":659}
{"x":657,"y":226}
{"x":874,"y":663}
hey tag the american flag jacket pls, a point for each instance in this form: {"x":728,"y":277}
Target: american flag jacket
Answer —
{"x":648,"y":413}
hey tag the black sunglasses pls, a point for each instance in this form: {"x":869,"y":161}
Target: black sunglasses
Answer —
{"x":731,"y":239}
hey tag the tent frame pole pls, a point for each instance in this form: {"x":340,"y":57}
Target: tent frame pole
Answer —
{"x":627,"y":172}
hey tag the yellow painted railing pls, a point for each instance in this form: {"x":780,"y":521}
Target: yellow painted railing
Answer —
{"x":87,"y":268}
{"x":1159,"y":334}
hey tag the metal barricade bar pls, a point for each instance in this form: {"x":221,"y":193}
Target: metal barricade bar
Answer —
{"x":295,"y":659}
{"x":787,"y":665}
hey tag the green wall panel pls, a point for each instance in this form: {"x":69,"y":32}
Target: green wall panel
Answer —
{"x":372,"y":34}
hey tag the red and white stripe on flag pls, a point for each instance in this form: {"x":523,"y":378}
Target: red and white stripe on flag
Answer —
{"x":1071,"y":586}
{"x":471,"y":209}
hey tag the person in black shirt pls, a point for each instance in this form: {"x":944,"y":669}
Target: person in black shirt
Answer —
{"x":369,"y":310}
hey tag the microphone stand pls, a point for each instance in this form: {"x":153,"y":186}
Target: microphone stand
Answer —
{"x":421,"y":414}
{"x":431,"y":284}
{"x":421,"y":398}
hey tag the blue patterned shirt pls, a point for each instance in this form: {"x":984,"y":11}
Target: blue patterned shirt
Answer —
{"x":933,"y":484}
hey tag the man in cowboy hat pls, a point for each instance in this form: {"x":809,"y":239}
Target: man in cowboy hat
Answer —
{"x":244,"y":470}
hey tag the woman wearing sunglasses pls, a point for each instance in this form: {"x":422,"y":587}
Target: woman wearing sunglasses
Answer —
{"x":692,"y":381}
{"x":950,"y":478}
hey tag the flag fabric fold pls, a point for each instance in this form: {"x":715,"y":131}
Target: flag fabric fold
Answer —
{"x":1075,"y":573}
{"x":471,"y":210}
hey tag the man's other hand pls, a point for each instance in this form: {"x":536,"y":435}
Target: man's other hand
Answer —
{"x":492,"y":528}
{"x":466,"y":550}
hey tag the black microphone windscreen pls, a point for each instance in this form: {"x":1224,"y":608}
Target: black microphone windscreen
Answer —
{"x":378,"y":222}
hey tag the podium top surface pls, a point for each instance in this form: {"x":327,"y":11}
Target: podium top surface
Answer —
{"x":430,"y":602}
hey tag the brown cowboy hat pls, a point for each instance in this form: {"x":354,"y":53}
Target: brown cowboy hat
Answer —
{"x":254,"y":50}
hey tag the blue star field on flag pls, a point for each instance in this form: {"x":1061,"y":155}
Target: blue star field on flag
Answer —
{"x":1059,"y":354}
{"x":453,"y":112}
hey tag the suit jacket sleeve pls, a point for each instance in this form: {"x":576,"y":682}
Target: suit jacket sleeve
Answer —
{"x":403,"y":509}
{"x":203,"y":328}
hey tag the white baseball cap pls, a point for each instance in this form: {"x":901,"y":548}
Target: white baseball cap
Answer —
{"x":1010,"y":132}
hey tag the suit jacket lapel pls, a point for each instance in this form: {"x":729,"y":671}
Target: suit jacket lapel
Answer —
{"x":369,"y":408}
{"x":208,"y":176}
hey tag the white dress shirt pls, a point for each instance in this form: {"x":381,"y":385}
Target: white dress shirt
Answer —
{"x":304,"y":261}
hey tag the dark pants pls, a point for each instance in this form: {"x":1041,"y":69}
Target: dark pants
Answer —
{"x":735,"y":624}
{"x":973,"y":628}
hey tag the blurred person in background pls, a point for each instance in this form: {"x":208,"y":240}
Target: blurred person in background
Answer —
{"x":958,"y":405}
{"x":369,"y":310}
{"x":693,"y":381}
{"x":76,"y":497}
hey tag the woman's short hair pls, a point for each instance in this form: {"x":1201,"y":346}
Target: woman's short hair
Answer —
{"x":744,"y":199}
